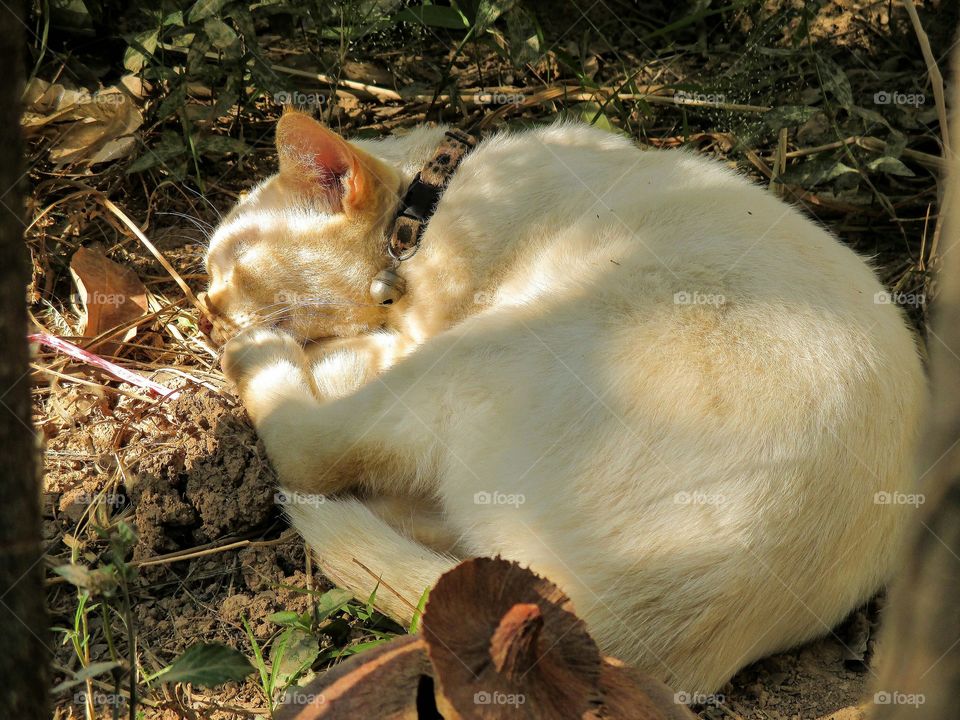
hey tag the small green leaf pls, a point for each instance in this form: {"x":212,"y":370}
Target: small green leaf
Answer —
{"x":593,"y":114}
{"x":789,"y":115}
{"x":360,"y":647}
{"x":174,"y":18}
{"x":91,"y":670}
{"x":488,"y":12}
{"x":284,"y":617}
{"x":175,"y":100}
{"x":207,"y":665}
{"x":300,"y":649}
{"x":140,"y":50}
{"x":221,"y":35}
{"x":203,"y":9}
{"x":890,"y":166}
{"x":435,"y":16}
{"x":871,"y":117}
{"x":169,"y":146}
{"x":418,"y":613}
{"x":331,"y":601}
{"x":815,"y":171}
{"x":220,"y":145}
{"x":835,"y":81}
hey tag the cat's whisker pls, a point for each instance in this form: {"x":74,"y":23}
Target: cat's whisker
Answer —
{"x":202,"y":225}
{"x":206,"y":200}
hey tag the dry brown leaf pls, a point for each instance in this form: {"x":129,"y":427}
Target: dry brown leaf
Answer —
{"x":110,"y":295}
{"x":88,"y":128}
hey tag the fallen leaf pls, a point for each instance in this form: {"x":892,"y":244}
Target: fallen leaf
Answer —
{"x":109,"y":294}
{"x":87,"y":128}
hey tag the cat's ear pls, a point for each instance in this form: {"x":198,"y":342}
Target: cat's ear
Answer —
{"x":316,"y":160}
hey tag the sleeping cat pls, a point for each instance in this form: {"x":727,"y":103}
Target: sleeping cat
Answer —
{"x":633,"y":371}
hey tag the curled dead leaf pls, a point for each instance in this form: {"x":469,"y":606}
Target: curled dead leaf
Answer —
{"x":109,"y":294}
{"x":87,"y":128}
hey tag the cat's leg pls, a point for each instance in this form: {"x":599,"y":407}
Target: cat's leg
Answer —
{"x":341,"y":366}
{"x":322,"y":437}
{"x":324,"y":446}
{"x":357,"y":550}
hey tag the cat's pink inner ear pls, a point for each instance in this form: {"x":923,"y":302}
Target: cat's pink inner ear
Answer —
{"x":314,"y":158}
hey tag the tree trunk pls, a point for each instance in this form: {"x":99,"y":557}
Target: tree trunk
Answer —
{"x":23,"y":628}
{"x":920,"y":663}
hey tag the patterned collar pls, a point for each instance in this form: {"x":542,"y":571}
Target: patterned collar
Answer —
{"x":421,"y":198}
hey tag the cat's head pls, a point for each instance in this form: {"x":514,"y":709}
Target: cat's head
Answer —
{"x":301,"y":250}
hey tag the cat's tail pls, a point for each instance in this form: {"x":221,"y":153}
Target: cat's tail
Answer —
{"x":358,"y":551}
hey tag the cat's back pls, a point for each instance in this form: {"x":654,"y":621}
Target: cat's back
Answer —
{"x":696,"y":282}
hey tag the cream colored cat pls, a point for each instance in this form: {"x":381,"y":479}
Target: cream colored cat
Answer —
{"x":633,"y":371}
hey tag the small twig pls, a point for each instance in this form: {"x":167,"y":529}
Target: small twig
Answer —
{"x":382,"y":94}
{"x":377,"y":92}
{"x":728,"y":712}
{"x":90,"y":383}
{"x":124,"y":218}
{"x":933,"y":70}
{"x":380,"y":581}
{"x":121,"y":373}
{"x":203,"y":551}
{"x":193,"y":553}
{"x":780,"y":163}
{"x":932,"y":162}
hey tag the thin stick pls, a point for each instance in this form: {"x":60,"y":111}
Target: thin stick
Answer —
{"x":108,"y":204}
{"x":780,"y":164}
{"x":193,"y":553}
{"x":119,"y":372}
{"x":380,"y":581}
{"x":933,"y":70}
{"x":89,"y":383}
{"x":380,"y":93}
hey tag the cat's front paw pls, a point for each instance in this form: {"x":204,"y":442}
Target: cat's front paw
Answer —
{"x":255,"y":356}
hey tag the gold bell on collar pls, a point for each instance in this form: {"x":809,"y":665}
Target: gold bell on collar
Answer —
{"x":387,"y":287}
